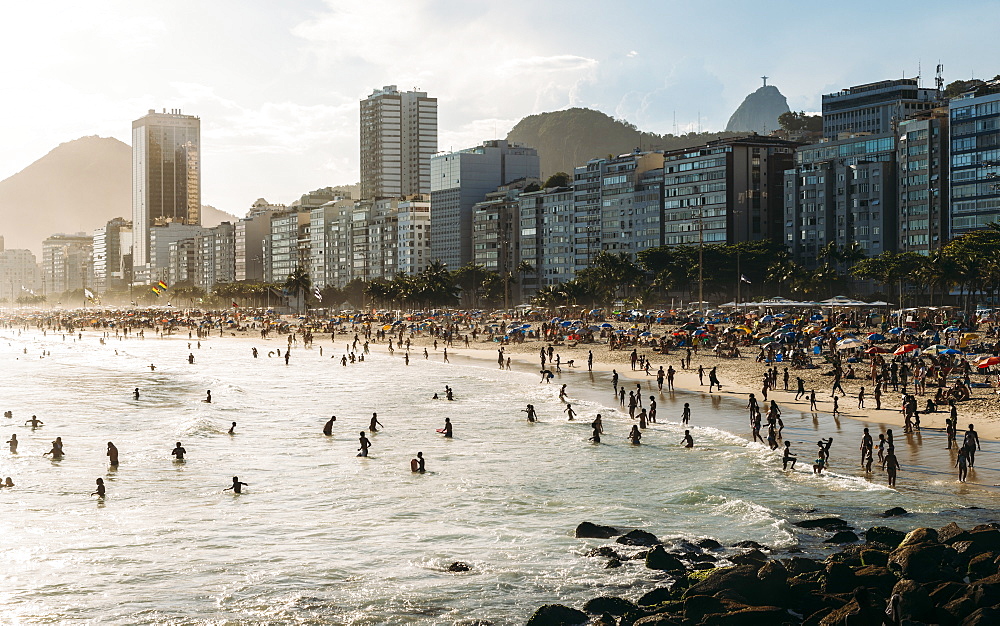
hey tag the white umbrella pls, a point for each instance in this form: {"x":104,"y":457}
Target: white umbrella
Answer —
{"x":849,"y":343}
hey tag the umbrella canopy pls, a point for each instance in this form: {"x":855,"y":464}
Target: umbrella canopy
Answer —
{"x":951,"y":351}
{"x":895,"y":331}
{"x":935,"y":349}
{"x":849,"y":343}
{"x":988,"y":361}
{"x":876,"y":337}
{"x":876,"y":350}
{"x":906,"y":347}
{"x":767,"y":340}
{"x":843,"y":301}
{"x":606,"y":325}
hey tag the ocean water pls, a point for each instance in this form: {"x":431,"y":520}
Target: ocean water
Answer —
{"x":321,"y":536}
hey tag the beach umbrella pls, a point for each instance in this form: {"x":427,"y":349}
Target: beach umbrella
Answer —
{"x":988,"y":361}
{"x":876,"y":350}
{"x":607,"y":325}
{"x":816,"y":318}
{"x":781,"y":316}
{"x":564,"y":324}
{"x":951,"y":351}
{"x":895,"y":331}
{"x":849,"y":343}
{"x":935,"y":349}
{"x":767,"y":318}
{"x":952,"y":329}
{"x":906,"y":347}
{"x":876,"y":337}
{"x":767,"y":340}
{"x":646,"y":334}
{"x":742,"y":329}
{"x":700,"y":333}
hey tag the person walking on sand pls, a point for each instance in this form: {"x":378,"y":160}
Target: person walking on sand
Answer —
{"x":701,"y":370}
{"x":801,"y":390}
{"x":861,"y":398}
{"x":671,"y":372}
{"x":812,"y":401}
{"x":713,"y":380}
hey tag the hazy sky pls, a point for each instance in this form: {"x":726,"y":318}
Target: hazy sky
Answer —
{"x":277,"y":83}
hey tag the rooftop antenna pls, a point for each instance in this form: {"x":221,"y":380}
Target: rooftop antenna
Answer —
{"x":919,"y":72}
{"x":939,"y":78}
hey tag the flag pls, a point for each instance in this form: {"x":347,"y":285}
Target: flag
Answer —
{"x":23,"y":288}
{"x":162,"y":285}
{"x":316,"y":292}
{"x":155,"y":290}
{"x":235,"y":306}
{"x":744,"y":279}
{"x":89,"y":294}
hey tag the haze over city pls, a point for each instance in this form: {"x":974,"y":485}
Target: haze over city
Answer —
{"x":277,"y":85}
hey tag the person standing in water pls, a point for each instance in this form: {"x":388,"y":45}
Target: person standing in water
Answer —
{"x":208,"y":396}
{"x":237,"y":485}
{"x":688,"y":441}
{"x":867,"y":448}
{"x":35,"y":422}
{"x":100,"y":489}
{"x":232,"y":429}
{"x":635,"y":436}
{"x":962,"y":463}
{"x":365,"y":444}
{"x":179,"y":452}
{"x":417,"y":464}
{"x":686,"y":414}
{"x":447,"y":431}
{"x":374,"y":424}
{"x":57,"y":449}
{"x":891,"y":468}
{"x":113,"y":454}
{"x":13,"y":443}
{"x":135,"y":394}
{"x":532,"y":416}
{"x":570,"y":412}
{"x":788,"y":457}
{"x":328,"y":427}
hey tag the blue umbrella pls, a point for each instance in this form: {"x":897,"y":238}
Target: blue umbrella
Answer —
{"x":564,"y":324}
{"x":607,"y":325}
{"x":767,"y":318}
{"x":645,"y":334}
{"x":876,"y":337}
{"x":950,"y":351}
{"x":815,"y":318}
{"x":895,"y":331}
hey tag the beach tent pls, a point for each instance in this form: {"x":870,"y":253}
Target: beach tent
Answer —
{"x":843,"y":301}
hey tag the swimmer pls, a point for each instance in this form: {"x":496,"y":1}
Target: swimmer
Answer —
{"x":232,"y":429}
{"x":417,"y":464}
{"x":191,"y":359}
{"x":208,"y":396}
{"x":787,"y":457}
{"x":635,"y":436}
{"x":598,"y":424}
{"x":532,"y":416}
{"x":562,"y":393}
{"x":179,"y":452}
{"x":372,"y":426}
{"x":113,"y":454}
{"x":365,"y":444}
{"x":596,"y":436}
{"x":688,"y":441}
{"x":328,"y":427}
{"x":8,"y":482}
{"x":57,"y":449}
{"x":891,"y":467}
{"x":237,"y":485}
{"x":13,"y":443}
{"x":446,"y":431}
{"x":100,"y":488}
{"x":152,"y":367}
{"x":135,"y":394}
{"x":686,"y":414}
{"x":435,"y":396}
{"x":570,"y":412}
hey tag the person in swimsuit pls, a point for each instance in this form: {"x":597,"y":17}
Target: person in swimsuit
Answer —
{"x":328,"y":427}
{"x":635,"y":436}
{"x":113,"y":454}
{"x":237,"y":485}
{"x":446,"y":431}
{"x":57,"y":449}
{"x":232,"y":429}
{"x":100,"y":488}
{"x":686,"y":414}
{"x":35,"y":422}
{"x":13,"y":443}
{"x":374,"y":424}
{"x":421,"y":468}
{"x":688,"y":441}
{"x":178,"y":452}
{"x":365,"y":444}
{"x":787,"y":457}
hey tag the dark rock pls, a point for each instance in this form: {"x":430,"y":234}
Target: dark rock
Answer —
{"x":557,"y":615}
{"x":914,"y":604}
{"x":459,"y":566}
{"x":708,"y":544}
{"x":838,"y":578}
{"x":636,"y":556}
{"x":660,"y":619}
{"x":656,"y":596}
{"x":604,"y":620}
{"x":986,"y":539}
{"x":751,"y":557}
{"x":751,"y":616}
{"x":882,"y":535}
{"x":986,"y":616}
{"x":798,"y":565}
{"x":698,"y":606}
{"x":742,"y":577}
{"x":919,"y":535}
{"x":842,"y":536}
{"x":826,"y":523}
{"x":982,"y":565}
{"x":987,"y":526}
{"x":985,"y":595}
{"x":895,"y":512}
{"x":874,"y":557}
{"x":596,"y":531}
{"x":612,"y":564}
{"x":606,"y":552}
{"x":660,"y":559}
{"x":956,"y":610}
{"x":950,"y":533}
{"x":920,"y":562}
{"x":876,"y":577}
{"x":942,"y":593}
{"x":638,"y":538}
{"x":698,"y":557}
{"x":609,"y":604}
{"x":472,"y":622}
{"x":750,"y":544}
{"x":701,"y":566}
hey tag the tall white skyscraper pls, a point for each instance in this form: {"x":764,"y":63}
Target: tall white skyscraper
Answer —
{"x":398,"y":139}
{"x":166,"y":177}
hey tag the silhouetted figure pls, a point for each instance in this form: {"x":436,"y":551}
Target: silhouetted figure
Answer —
{"x":237,"y":485}
{"x":328,"y":427}
{"x":100,"y":488}
{"x":179,"y":452}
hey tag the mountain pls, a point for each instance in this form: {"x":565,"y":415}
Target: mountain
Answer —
{"x":569,"y":138}
{"x":76,"y":187}
{"x":759,"y":111}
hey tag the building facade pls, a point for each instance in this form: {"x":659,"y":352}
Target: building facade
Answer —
{"x":284,"y":246}
{"x":547,"y":224}
{"x":251,"y":234}
{"x":975,"y":161}
{"x":19,"y":275}
{"x":113,"y":256}
{"x":461,"y":179}
{"x":922,"y":195}
{"x":67,"y":263}
{"x":166,"y":177}
{"x":215,"y":256}
{"x":413,"y":219}
{"x":875,"y":107}
{"x":398,"y":139}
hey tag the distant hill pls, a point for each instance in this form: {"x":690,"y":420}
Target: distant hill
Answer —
{"x":759,"y":111}
{"x":76,"y":187}
{"x":569,"y":138}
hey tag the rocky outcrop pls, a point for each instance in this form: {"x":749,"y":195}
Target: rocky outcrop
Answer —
{"x":596,"y":531}
{"x":759,"y":111}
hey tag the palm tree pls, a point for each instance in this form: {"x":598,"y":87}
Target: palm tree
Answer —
{"x":299,"y":283}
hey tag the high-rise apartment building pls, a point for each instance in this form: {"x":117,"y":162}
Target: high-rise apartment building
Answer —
{"x":547,"y":237}
{"x":113,"y":255}
{"x":166,"y":178}
{"x":922,"y":168}
{"x":875,"y":107}
{"x":19,"y":274}
{"x":67,"y":263}
{"x":251,"y":236}
{"x":398,"y":139}
{"x":461,"y":179}
{"x":975,"y":160}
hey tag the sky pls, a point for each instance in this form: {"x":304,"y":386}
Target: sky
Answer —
{"x":277,"y":83}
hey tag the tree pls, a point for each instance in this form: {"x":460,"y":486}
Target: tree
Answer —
{"x":559,"y":179}
{"x":792,"y":121}
{"x":299,"y":283}
{"x":889,"y":269}
{"x":470,"y":279}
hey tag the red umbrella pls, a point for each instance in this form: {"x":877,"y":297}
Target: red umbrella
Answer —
{"x":906,"y":347}
{"x":987,"y":361}
{"x":876,"y":350}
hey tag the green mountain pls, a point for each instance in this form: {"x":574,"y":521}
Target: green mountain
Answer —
{"x":569,"y":138}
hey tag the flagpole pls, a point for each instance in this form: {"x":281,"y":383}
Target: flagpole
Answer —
{"x":739,"y":279}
